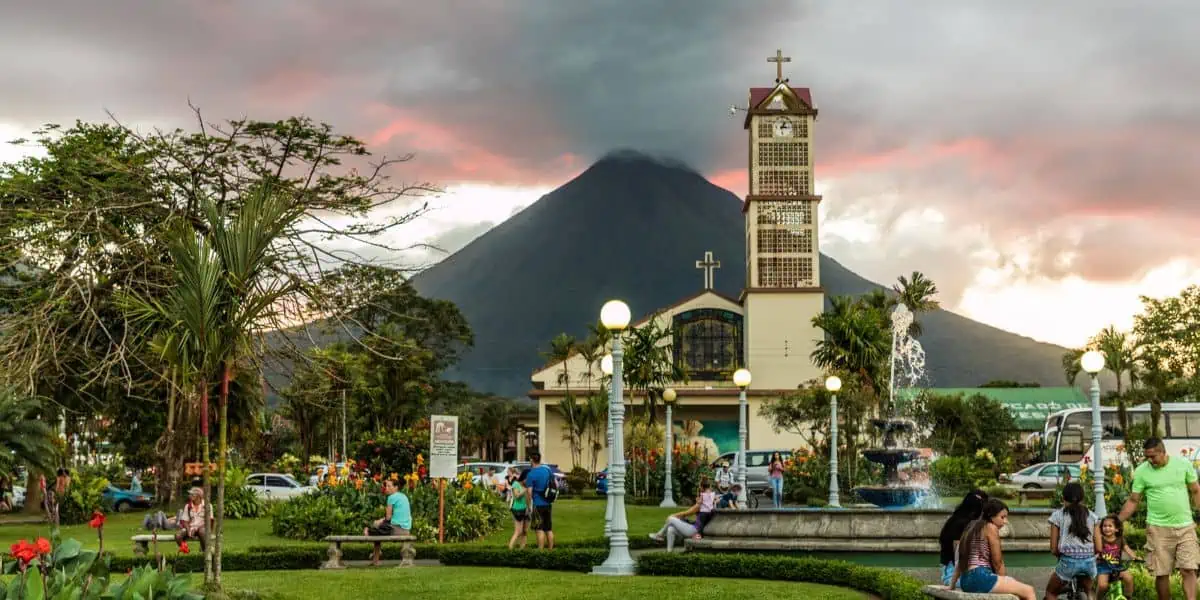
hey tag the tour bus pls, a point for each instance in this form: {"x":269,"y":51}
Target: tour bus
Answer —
{"x":1068,"y":433}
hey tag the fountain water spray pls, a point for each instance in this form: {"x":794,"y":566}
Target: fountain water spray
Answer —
{"x":907,"y":368}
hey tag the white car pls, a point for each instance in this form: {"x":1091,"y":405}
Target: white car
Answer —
{"x":276,"y":486}
{"x":1041,"y":476}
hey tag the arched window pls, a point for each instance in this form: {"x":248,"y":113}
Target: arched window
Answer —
{"x":708,"y":343}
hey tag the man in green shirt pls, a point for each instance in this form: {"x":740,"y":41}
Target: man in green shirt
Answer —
{"x":1167,"y":482}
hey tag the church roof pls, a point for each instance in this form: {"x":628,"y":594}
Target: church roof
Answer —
{"x":757,"y":95}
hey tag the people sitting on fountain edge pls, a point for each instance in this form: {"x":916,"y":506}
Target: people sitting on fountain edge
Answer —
{"x":979,"y":561}
{"x":677,"y":523}
{"x":967,"y":511}
{"x":730,"y":499}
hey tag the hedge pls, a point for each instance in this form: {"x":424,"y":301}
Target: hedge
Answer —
{"x":561,"y":559}
{"x":885,"y":583}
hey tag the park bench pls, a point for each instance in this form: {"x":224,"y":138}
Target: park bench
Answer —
{"x":1033,"y":494}
{"x":943,"y":593}
{"x":407,"y":551}
{"x":141,"y":543}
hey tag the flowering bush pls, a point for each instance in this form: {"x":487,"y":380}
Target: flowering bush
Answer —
{"x":647,"y":471}
{"x":393,"y":451}
{"x":806,"y":475}
{"x":348,"y":501}
{"x":1118,"y":484}
{"x":83,"y":498}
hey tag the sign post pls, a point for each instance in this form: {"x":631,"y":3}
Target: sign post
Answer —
{"x":443,"y":460}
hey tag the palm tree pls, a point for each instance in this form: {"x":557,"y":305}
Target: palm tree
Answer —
{"x":224,"y":294}
{"x":856,"y":340}
{"x":1119,"y":355}
{"x":1071,"y":366}
{"x":648,"y":364}
{"x":916,"y":292}
{"x":562,"y":347}
{"x":24,"y":438}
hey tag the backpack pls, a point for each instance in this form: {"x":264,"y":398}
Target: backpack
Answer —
{"x":551,"y":491}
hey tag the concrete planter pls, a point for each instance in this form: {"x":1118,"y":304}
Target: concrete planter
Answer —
{"x":856,"y":529}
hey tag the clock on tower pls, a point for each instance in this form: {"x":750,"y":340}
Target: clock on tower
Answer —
{"x":783,"y":288}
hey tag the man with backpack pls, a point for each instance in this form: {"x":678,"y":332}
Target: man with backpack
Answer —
{"x":542,"y":490}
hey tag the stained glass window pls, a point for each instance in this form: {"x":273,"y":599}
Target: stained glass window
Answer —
{"x":708,"y":343}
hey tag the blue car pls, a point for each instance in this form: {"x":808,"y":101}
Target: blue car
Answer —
{"x":602,"y":483}
{"x":126,"y":500}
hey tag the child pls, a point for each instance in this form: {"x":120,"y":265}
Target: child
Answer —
{"x":706,"y":502}
{"x":729,"y":499}
{"x":1110,"y":566}
{"x":979,"y":565}
{"x":1075,"y":540}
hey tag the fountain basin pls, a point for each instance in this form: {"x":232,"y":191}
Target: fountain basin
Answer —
{"x":855,"y":529}
{"x":890,"y":457}
{"x":892,"y":497}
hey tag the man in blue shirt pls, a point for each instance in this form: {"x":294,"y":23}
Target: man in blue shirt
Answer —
{"x":536,"y":482}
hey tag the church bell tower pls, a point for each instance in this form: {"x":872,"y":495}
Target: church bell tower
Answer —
{"x":783,"y":288}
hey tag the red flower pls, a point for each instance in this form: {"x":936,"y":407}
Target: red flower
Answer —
{"x":183,"y":548}
{"x":97,"y":520}
{"x":370,"y":442}
{"x":23,"y":551}
{"x":42,"y":546}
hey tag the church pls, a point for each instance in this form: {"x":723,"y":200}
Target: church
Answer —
{"x":767,"y":329}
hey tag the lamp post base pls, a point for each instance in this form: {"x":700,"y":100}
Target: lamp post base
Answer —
{"x":613,"y":567}
{"x":667,"y":503}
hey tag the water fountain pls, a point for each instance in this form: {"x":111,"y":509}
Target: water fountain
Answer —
{"x":907,"y":368}
{"x":902,"y":517}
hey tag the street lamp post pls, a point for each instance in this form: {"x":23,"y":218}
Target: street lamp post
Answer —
{"x":1092,"y":361}
{"x":615,"y":317}
{"x":833,"y":384}
{"x":741,"y":378}
{"x":606,"y":367}
{"x":668,"y":500}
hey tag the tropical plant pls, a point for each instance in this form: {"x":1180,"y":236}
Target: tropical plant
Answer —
{"x":24,"y":438}
{"x":595,"y":413}
{"x":648,"y":365}
{"x":857,"y":339}
{"x":1120,"y":355}
{"x":917,"y":293}
{"x":1070,"y":365}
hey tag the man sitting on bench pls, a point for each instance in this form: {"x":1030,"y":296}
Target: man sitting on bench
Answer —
{"x":191,"y":519}
{"x":397,"y":519}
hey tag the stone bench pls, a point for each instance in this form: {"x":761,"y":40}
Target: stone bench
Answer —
{"x":141,"y":543}
{"x":407,"y":551}
{"x":1035,"y":494}
{"x":944,"y":593}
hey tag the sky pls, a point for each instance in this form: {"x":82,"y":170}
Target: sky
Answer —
{"x":1037,"y":160}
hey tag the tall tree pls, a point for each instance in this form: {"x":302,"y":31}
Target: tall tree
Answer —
{"x":857,"y":340}
{"x":917,"y":292}
{"x":1168,"y":348}
{"x":648,"y":365}
{"x":1070,"y":365}
{"x":1119,"y":355}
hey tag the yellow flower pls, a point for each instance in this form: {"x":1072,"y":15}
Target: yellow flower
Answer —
{"x":392,"y":477}
{"x":420,"y":459}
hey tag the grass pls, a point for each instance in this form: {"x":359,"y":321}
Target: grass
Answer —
{"x":573,"y":520}
{"x":491,"y":583}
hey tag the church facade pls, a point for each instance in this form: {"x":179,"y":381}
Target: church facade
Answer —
{"x":767,"y":329}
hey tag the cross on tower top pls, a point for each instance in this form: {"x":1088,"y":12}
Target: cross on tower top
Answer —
{"x":708,"y":265}
{"x":779,"y":59}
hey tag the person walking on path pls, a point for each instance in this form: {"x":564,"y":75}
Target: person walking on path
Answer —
{"x":1167,"y":483}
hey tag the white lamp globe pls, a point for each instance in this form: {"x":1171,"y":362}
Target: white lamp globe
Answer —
{"x":614,"y":315}
{"x":833,"y":383}
{"x":1092,"y":361}
{"x":741,"y":378}
{"x":669,"y":395}
{"x":606,"y":364}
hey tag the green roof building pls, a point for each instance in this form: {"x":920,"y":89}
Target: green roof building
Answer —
{"x":1029,"y":406}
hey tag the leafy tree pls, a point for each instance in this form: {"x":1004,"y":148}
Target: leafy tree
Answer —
{"x":958,"y":425}
{"x":648,"y":365}
{"x":1168,"y":348}
{"x":857,"y":340}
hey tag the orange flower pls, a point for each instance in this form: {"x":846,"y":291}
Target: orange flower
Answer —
{"x":1117,"y":479}
{"x":467,"y":485}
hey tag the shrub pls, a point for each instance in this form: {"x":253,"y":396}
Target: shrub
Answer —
{"x":394,"y":451}
{"x":1002,"y":492}
{"x":579,"y":480}
{"x":471,"y":512}
{"x":562,"y":559}
{"x":885,"y":583}
{"x":240,"y":501}
{"x":953,"y":473}
{"x":84,"y":497}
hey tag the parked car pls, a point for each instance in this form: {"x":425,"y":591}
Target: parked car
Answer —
{"x":1041,"y":476}
{"x":123,"y":500}
{"x":757,"y":462}
{"x":18,"y":496}
{"x":475,"y":468}
{"x":276,"y":486}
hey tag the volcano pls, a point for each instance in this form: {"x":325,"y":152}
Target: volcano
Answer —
{"x":631,"y":227}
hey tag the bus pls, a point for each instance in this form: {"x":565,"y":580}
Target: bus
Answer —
{"x":1067,"y":435}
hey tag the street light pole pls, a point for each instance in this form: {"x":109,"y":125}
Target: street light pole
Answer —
{"x":606,"y":367}
{"x":615,"y":317}
{"x":833,"y":384}
{"x":668,"y":500}
{"x":741,"y":378}
{"x":1092,"y":361}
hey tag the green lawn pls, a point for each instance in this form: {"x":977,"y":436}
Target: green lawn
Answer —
{"x":573,"y":520}
{"x":489,"y":584}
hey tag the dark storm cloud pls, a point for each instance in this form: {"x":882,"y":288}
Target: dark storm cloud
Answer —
{"x":1023,"y":118}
